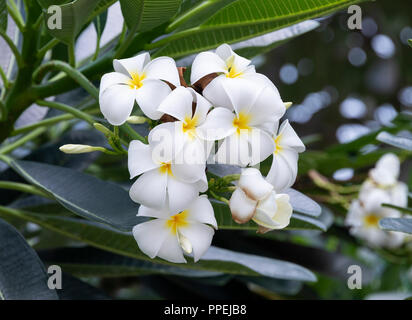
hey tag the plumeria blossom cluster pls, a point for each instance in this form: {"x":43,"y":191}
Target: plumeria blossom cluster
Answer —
{"x":229,"y":107}
{"x":381,"y":187}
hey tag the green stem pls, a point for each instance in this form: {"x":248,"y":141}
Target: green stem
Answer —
{"x":23,"y":188}
{"x":3,"y":111}
{"x":128,"y":130}
{"x":48,"y":46}
{"x":97,"y":51}
{"x":223,"y":199}
{"x":72,"y":55}
{"x":18,"y":143}
{"x":13,"y":48}
{"x":231,"y":177}
{"x":76,"y":75}
{"x":48,"y":122}
{"x":188,"y":15}
{"x":15,"y":15}
{"x":65,"y":108}
{"x":125,"y":45}
{"x":4,"y":78}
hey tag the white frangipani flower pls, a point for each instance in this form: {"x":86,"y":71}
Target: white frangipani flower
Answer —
{"x":169,"y":234}
{"x":190,"y":110}
{"x":229,"y":67}
{"x":284,"y":169}
{"x":246,"y":139}
{"x":363,"y":219}
{"x":138,"y":80}
{"x":163,"y":183}
{"x":255,"y":199}
{"x":385,"y":177}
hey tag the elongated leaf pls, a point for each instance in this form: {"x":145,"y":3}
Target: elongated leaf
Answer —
{"x":262,"y":44}
{"x":303,"y":204}
{"x":3,"y":15}
{"x":216,"y":259}
{"x":399,"y":142}
{"x":100,"y":23}
{"x":82,"y":194}
{"x":396,"y":224}
{"x":22,"y":274}
{"x":297,"y":222}
{"x":92,"y":262}
{"x":74,"y":16}
{"x":143,"y":15}
{"x":401,"y":209}
{"x":245,"y":19}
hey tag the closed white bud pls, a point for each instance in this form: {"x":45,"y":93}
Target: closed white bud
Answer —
{"x":78,"y":148}
{"x":136,"y":120}
{"x":253,"y":184}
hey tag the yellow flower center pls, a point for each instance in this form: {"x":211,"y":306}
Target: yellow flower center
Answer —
{"x":371,"y":220}
{"x":166,"y":168}
{"x":136,"y":81}
{"x":241,"y":122}
{"x":231,"y":70}
{"x":189,"y":126}
{"x":177,"y":221}
{"x":278,"y":147}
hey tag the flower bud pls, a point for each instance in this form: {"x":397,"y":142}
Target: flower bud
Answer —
{"x":273,"y":212}
{"x":102,"y":129}
{"x":253,"y":184}
{"x":136,"y":120}
{"x":78,"y":148}
{"x":241,"y":206}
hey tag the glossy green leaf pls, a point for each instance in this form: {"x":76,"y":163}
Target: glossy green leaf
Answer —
{"x":303,"y":204}
{"x":74,"y":15}
{"x":22,"y":274}
{"x":396,"y":224}
{"x":3,"y":15}
{"x":82,"y":194}
{"x":216,"y":259}
{"x":92,"y":262}
{"x":100,"y":23}
{"x":245,"y":19}
{"x":396,"y":141}
{"x":144,"y":15}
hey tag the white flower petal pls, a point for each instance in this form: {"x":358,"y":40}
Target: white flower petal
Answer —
{"x":150,"y":236}
{"x":131,"y":65}
{"x":201,"y":211}
{"x":260,"y":80}
{"x":163,"y":68}
{"x":373,"y":200}
{"x":253,"y":184}
{"x":111,"y":79}
{"x":386,"y":171}
{"x":150,"y":95}
{"x":200,"y":237}
{"x":153,"y":213}
{"x":218,"y":125}
{"x":178,"y":104}
{"x":284,"y":210}
{"x":167,"y":141}
{"x":225,"y":52}
{"x":116,"y":103}
{"x":190,"y":165}
{"x":267,"y":107}
{"x":206,"y":63}
{"x":399,"y":195}
{"x":150,"y":189}
{"x":234,"y":150}
{"x":241,"y":206}
{"x":261,"y":144}
{"x":216,"y":94}
{"x":180,"y":194}
{"x":265,"y":211}
{"x":242,"y":94}
{"x":171,"y":249}
{"x":289,"y":139}
{"x":284,"y":169}
{"x":140,"y":158}
{"x":202,"y":107}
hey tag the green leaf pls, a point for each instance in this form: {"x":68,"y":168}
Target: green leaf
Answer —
{"x":262,"y":44}
{"x":297,"y":222}
{"x":144,"y":15}
{"x":100,"y":23}
{"x":74,"y":15}
{"x":242,"y":20}
{"x":216,"y":259}
{"x":91,"y":262}
{"x":3,"y":15}
{"x":303,"y":204}
{"x":396,"y":141}
{"x":82,"y":194}
{"x":22,"y":274}
{"x":396,"y":224}
{"x":410,"y":42}
{"x":401,"y":209}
